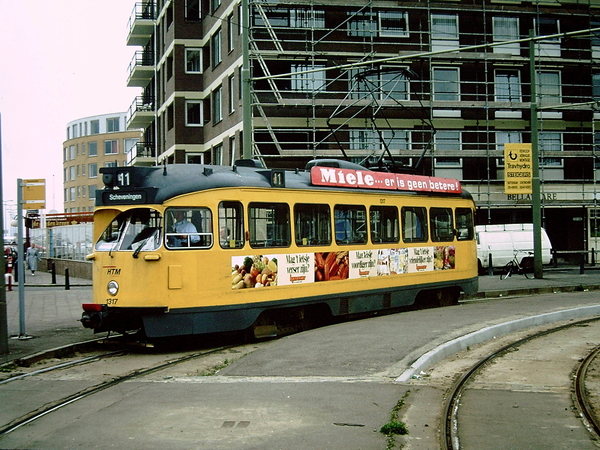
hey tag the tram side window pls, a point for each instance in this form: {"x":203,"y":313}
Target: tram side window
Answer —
{"x":350,"y":224}
{"x":313,"y":224}
{"x":231,"y":224}
{"x":189,"y":227}
{"x":414,"y":224}
{"x":269,"y":224}
{"x":442,"y":224}
{"x":384,"y":224}
{"x":464,"y":224}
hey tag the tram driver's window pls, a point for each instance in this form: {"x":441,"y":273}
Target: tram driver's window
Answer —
{"x":464,"y":224}
{"x":269,"y":224}
{"x":188,"y":227}
{"x":442,"y":224}
{"x":231,"y":224}
{"x":350,"y":224}
{"x":414,"y":224}
{"x":312,"y":224}
{"x":384,"y":224}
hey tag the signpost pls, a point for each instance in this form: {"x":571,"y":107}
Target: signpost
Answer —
{"x":518,"y":169}
{"x":31,"y":194}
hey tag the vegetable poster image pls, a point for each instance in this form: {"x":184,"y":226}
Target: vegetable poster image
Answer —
{"x":259,"y":271}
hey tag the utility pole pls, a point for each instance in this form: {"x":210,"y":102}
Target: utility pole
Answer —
{"x":538,"y":270}
{"x":3,"y":312}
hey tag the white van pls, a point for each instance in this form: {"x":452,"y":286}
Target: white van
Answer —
{"x":503,"y":240}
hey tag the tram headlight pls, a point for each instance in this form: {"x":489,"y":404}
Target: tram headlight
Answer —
{"x":112,"y":287}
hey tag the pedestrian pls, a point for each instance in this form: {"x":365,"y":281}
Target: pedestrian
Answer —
{"x":32,"y":257}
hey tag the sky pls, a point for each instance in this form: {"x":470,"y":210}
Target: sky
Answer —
{"x":60,"y":61}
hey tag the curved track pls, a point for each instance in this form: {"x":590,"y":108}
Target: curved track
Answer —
{"x":449,"y":430}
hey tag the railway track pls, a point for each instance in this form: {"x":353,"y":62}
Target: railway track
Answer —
{"x":102,"y":365}
{"x":450,"y":424}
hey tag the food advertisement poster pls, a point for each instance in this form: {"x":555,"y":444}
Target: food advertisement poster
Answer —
{"x":363,"y":263}
{"x":257,"y":271}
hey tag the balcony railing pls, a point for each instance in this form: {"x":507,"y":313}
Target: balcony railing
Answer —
{"x":141,"y":112}
{"x":141,"y":68}
{"x":142,"y":152}
{"x":141,"y":23}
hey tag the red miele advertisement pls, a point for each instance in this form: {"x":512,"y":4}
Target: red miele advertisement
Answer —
{"x":366,"y":179}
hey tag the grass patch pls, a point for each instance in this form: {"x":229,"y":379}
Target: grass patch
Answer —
{"x":210,"y":371}
{"x":395,"y":427}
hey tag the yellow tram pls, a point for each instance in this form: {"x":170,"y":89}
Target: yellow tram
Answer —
{"x":194,"y":249}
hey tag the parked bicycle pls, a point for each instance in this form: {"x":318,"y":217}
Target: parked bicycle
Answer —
{"x":523,"y":267}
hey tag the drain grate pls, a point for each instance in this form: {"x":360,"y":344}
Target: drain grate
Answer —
{"x":236,"y":424}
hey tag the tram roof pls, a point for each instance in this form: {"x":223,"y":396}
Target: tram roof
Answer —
{"x":156,"y":184}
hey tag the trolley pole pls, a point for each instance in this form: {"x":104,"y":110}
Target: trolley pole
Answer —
{"x":3,"y":310}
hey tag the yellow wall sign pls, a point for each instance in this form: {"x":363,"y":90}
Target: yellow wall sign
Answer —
{"x":34,"y":194}
{"x":518,"y":169}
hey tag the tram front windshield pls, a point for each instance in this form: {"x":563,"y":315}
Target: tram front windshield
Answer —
{"x":133,"y":230}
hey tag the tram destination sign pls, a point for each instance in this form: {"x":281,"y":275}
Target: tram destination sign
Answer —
{"x":117,"y":197}
{"x":366,"y":179}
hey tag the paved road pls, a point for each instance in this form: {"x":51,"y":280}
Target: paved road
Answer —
{"x":328,"y":388}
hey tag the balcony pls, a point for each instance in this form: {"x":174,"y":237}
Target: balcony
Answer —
{"x":142,"y":154}
{"x":141,"y":69}
{"x":141,"y":113}
{"x":141,"y":23}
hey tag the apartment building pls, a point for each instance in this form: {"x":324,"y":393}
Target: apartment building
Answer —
{"x":433,"y":87}
{"x":93,"y":142}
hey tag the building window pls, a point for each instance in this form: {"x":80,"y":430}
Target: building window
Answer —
{"x":94,"y":127}
{"x":307,"y":18}
{"x":194,"y":158}
{"x":393,"y":24}
{"x":131,"y":145}
{"x":215,"y":44}
{"x":506,"y":137}
{"x":444,"y":32}
{"x":362,"y":24}
{"x":73,"y":196}
{"x":192,"y":10}
{"x":92,"y":191}
{"x":364,"y":141}
{"x":231,"y":93}
{"x":218,"y":154}
{"x":445,"y":84}
{"x":217,"y":103}
{"x":596,"y":86}
{"x":170,"y":116}
{"x":550,"y":142}
{"x":193,"y":113}
{"x":193,"y":60}
{"x":92,"y":170}
{"x":546,"y":26}
{"x":308,"y":82}
{"x":71,"y":152}
{"x":548,"y":87}
{"x":508,"y":86}
{"x":506,"y":29}
{"x":230,"y":32}
{"x":215,"y":4}
{"x":112,"y":124}
{"x":447,"y":141}
{"x":92,"y":149}
{"x":111,"y":147}
{"x":72,"y":173}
